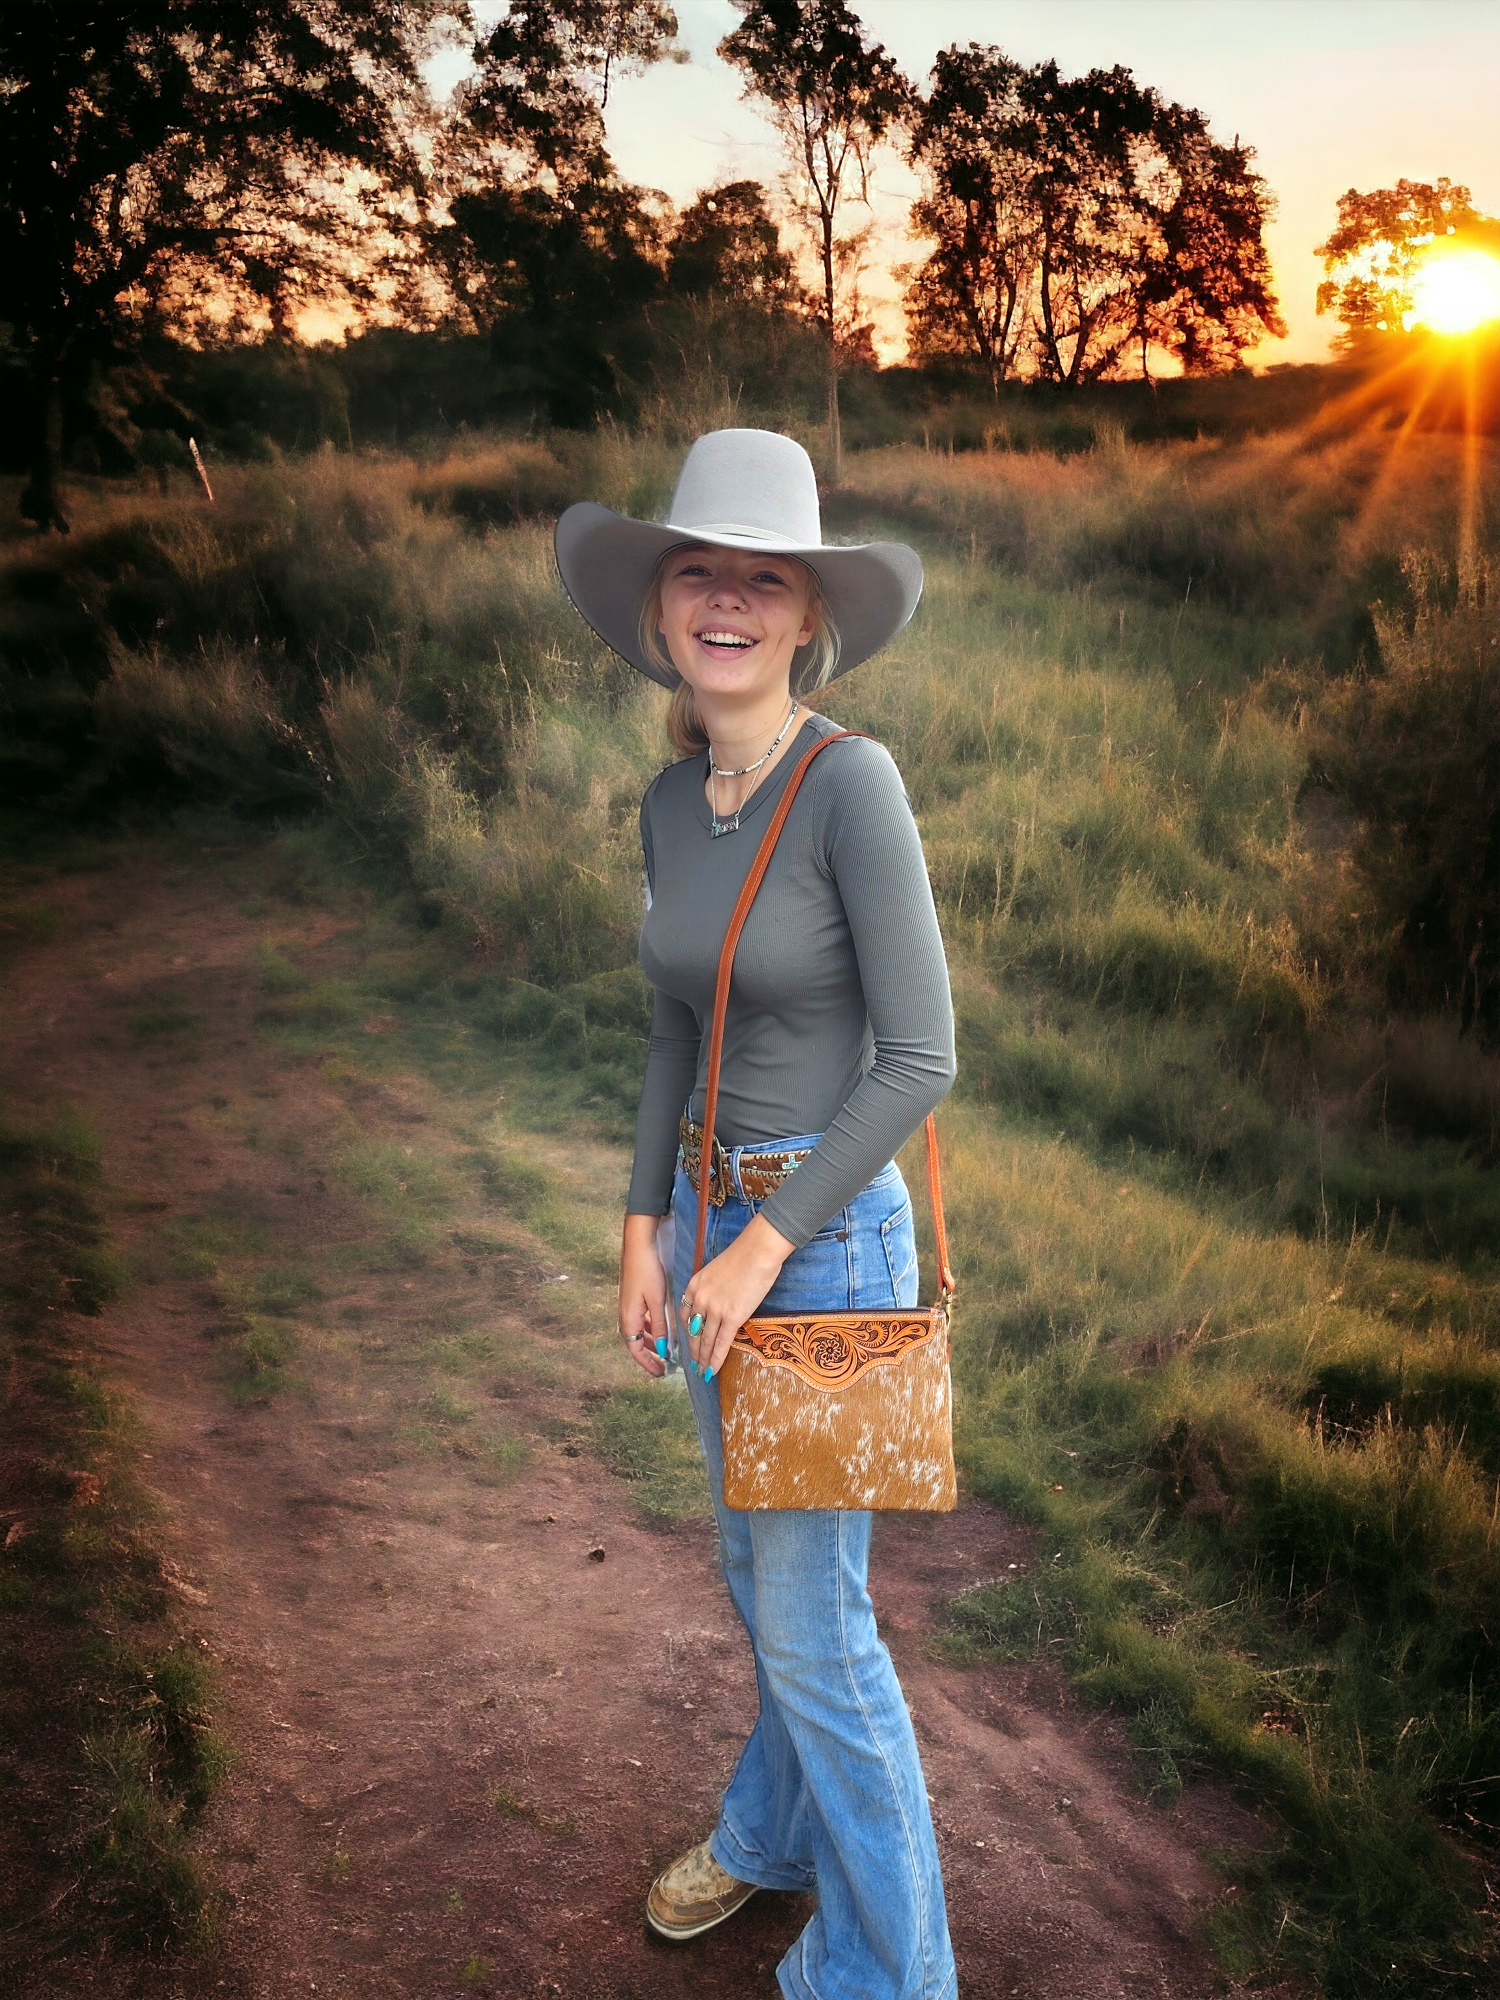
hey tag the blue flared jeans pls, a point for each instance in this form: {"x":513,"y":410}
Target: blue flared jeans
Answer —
{"x":828,"y":1793}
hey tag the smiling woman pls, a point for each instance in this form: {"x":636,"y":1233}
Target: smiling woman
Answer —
{"x":830,"y":1046}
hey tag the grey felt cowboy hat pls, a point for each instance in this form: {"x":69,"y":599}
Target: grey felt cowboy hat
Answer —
{"x":739,"y":489}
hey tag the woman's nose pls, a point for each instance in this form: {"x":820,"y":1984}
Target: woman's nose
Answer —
{"x":727,"y":590}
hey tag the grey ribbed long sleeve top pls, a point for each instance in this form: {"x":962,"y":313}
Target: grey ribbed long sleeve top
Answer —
{"x":840,"y":1019}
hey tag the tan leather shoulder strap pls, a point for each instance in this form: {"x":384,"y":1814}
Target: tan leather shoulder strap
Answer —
{"x":737,"y":918}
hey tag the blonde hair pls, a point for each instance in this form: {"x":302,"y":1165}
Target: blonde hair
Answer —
{"x":819,"y":662}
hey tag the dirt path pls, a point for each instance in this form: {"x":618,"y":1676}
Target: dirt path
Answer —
{"x":463,"y":1743}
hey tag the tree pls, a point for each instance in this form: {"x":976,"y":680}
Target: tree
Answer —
{"x":543,"y":78}
{"x":157,"y":152}
{"x":1202,"y":275}
{"x":727,"y":246}
{"x":832,"y":96}
{"x":560,"y":280}
{"x":545,"y":246}
{"x":971,"y":137}
{"x":1077,"y":219}
{"x":1371,"y":258}
{"x":1086,"y":135}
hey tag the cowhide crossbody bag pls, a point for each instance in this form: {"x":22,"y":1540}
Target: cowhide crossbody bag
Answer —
{"x":830,"y":1409}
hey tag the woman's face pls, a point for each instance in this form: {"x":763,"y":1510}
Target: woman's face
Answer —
{"x":732,"y":619}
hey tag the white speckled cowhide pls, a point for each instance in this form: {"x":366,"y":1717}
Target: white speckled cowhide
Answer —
{"x":842,"y":1409}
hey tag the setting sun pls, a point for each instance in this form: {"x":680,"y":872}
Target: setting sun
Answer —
{"x":1456,"y":293}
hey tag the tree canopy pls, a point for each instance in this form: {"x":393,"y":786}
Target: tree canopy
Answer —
{"x":542,"y":80}
{"x":970,"y":135}
{"x":156,"y":153}
{"x":727,"y":246}
{"x":1075,"y":221}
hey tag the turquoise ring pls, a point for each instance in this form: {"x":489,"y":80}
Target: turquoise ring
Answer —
{"x":695,"y":1324}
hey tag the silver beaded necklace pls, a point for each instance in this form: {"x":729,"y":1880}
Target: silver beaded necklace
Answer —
{"x":732,"y":824}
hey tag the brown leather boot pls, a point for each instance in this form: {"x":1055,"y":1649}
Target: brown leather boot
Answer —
{"x":693,"y":1895}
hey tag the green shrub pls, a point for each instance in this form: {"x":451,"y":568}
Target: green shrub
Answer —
{"x":1414,"y":749}
{"x":499,"y":485}
{"x":646,"y":1436}
{"x":116,"y":1734}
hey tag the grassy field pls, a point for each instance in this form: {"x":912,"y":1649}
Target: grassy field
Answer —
{"x":1202,"y":740}
{"x":106,"y":1692}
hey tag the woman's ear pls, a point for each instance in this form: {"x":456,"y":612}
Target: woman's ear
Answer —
{"x":809,"y":614}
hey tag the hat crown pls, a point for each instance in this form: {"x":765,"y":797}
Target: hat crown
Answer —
{"x":754,"y":483}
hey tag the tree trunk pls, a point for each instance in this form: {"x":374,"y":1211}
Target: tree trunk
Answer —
{"x":1081,"y":339}
{"x":1049,"y":331}
{"x":835,"y":430}
{"x":41,"y":500}
{"x":1005,"y":352}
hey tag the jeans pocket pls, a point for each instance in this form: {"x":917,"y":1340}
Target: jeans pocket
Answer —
{"x":815,"y":1278}
{"x":881,"y":1246}
{"x":899,"y":1241}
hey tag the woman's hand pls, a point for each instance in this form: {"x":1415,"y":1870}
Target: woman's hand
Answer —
{"x":727,"y":1290}
{"x":643,"y":1295}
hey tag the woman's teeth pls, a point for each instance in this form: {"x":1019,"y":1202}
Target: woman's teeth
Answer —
{"x":724,"y":639}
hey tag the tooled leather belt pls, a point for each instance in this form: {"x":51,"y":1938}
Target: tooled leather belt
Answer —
{"x":760,"y":1173}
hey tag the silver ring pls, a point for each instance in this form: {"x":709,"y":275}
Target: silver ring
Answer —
{"x":634,"y":1336}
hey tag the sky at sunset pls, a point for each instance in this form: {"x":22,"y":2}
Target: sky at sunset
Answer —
{"x":1331,"y":94}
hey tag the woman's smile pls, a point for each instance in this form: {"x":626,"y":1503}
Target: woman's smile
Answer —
{"x":720,"y":642}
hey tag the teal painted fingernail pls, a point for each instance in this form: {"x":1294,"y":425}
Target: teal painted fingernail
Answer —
{"x":708,"y":1374}
{"x":661,"y":1348}
{"x":695,"y":1324}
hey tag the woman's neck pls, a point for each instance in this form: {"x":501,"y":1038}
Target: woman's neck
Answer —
{"x":742,"y":735}
{"x":739,"y":732}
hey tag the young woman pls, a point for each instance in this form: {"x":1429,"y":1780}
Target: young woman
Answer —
{"x":839,"y":1041}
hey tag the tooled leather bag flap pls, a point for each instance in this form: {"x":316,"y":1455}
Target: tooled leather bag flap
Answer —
{"x":831,"y":1350}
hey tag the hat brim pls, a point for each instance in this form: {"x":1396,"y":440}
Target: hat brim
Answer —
{"x":607,"y":562}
